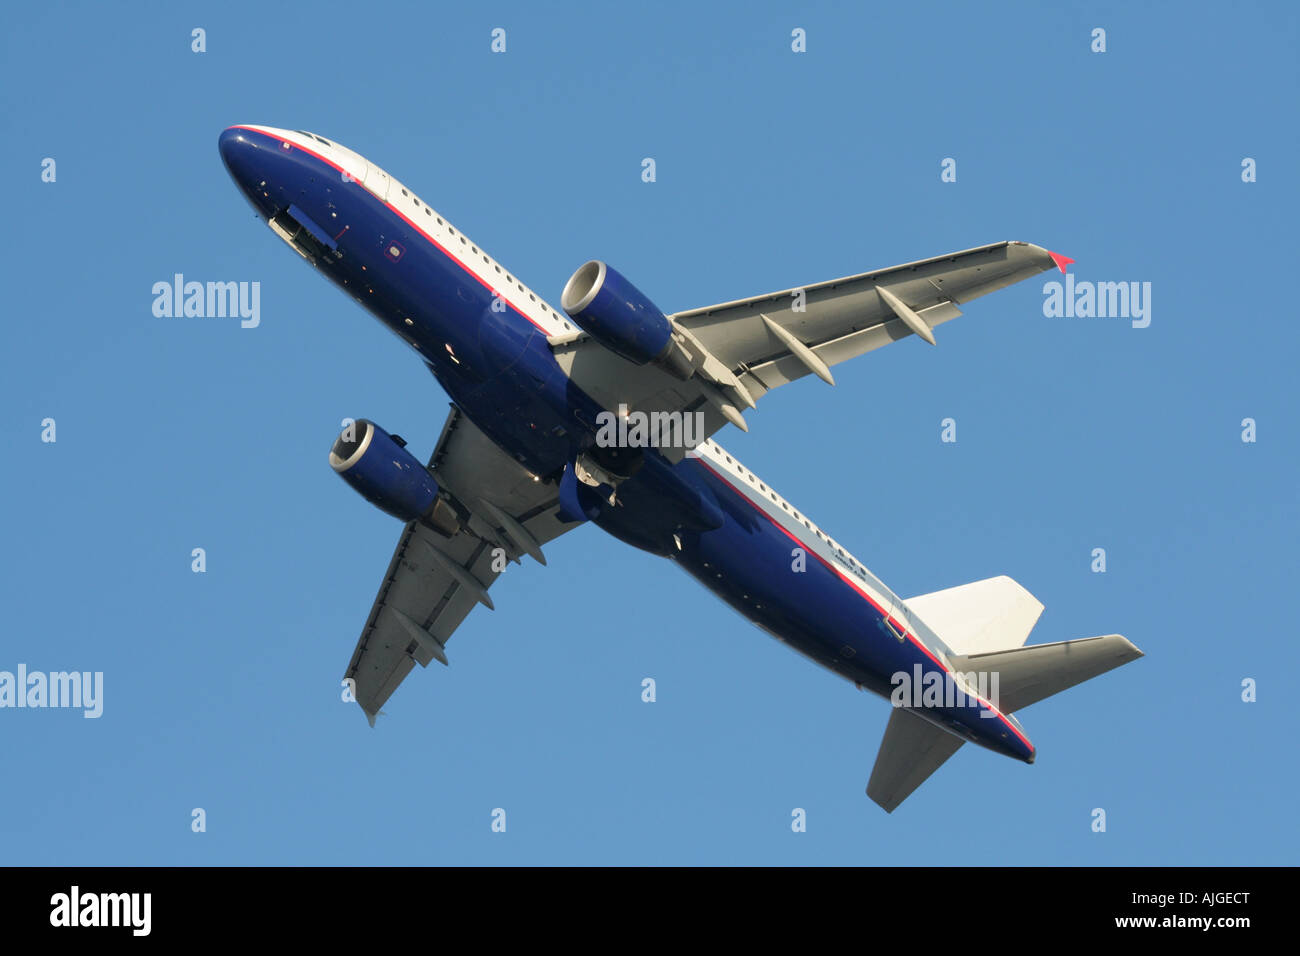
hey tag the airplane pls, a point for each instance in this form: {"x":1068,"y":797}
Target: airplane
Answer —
{"x":548,"y":432}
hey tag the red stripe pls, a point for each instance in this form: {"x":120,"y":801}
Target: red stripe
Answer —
{"x":853,"y":584}
{"x":445,"y":251}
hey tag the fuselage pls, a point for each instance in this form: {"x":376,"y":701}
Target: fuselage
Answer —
{"x":484,"y":335}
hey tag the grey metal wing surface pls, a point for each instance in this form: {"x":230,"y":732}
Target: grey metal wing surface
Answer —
{"x":748,"y":347}
{"x":438,"y":575}
{"x":911,"y":750}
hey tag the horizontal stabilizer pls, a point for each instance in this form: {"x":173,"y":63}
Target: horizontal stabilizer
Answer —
{"x":912,"y":749}
{"x":990,"y":615}
{"x":1028,"y":674}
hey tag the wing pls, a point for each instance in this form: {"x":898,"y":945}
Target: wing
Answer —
{"x":437,"y":576}
{"x":912,"y":749}
{"x":751,"y":346}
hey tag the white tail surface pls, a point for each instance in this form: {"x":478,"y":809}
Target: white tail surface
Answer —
{"x":995,"y":614}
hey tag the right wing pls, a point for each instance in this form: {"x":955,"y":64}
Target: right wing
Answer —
{"x":912,"y":749}
{"x":435,"y":579}
{"x":748,"y":347}
{"x":848,"y":317}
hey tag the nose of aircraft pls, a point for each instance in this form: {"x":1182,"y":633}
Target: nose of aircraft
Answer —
{"x":237,"y":150}
{"x":228,"y":140}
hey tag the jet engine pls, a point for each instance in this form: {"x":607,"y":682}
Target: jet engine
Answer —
{"x":377,"y":465}
{"x":616,"y":314}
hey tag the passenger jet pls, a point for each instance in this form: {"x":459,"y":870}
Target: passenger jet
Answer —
{"x":548,"y":432}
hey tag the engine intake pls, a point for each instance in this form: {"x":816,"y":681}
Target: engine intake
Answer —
{"x":378,"y":466}
{"x":616,"y":314}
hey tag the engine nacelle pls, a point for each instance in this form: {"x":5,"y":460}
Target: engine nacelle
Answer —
{"x":378,"y":466}
{"x":615,"y":313}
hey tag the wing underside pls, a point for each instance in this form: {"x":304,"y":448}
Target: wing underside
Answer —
{"x":746,"y":348}
{"x":437,"y":576}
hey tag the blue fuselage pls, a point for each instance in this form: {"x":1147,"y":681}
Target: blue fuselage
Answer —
{"x":498,"y":368}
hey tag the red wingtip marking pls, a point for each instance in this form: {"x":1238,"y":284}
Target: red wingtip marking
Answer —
{"x":1060,"y":260}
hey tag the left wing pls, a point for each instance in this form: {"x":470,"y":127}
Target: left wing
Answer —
{"x":750,"y":346}
{"x":436,"y":577}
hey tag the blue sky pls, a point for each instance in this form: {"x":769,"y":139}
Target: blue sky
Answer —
{"x":774,"y":169}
